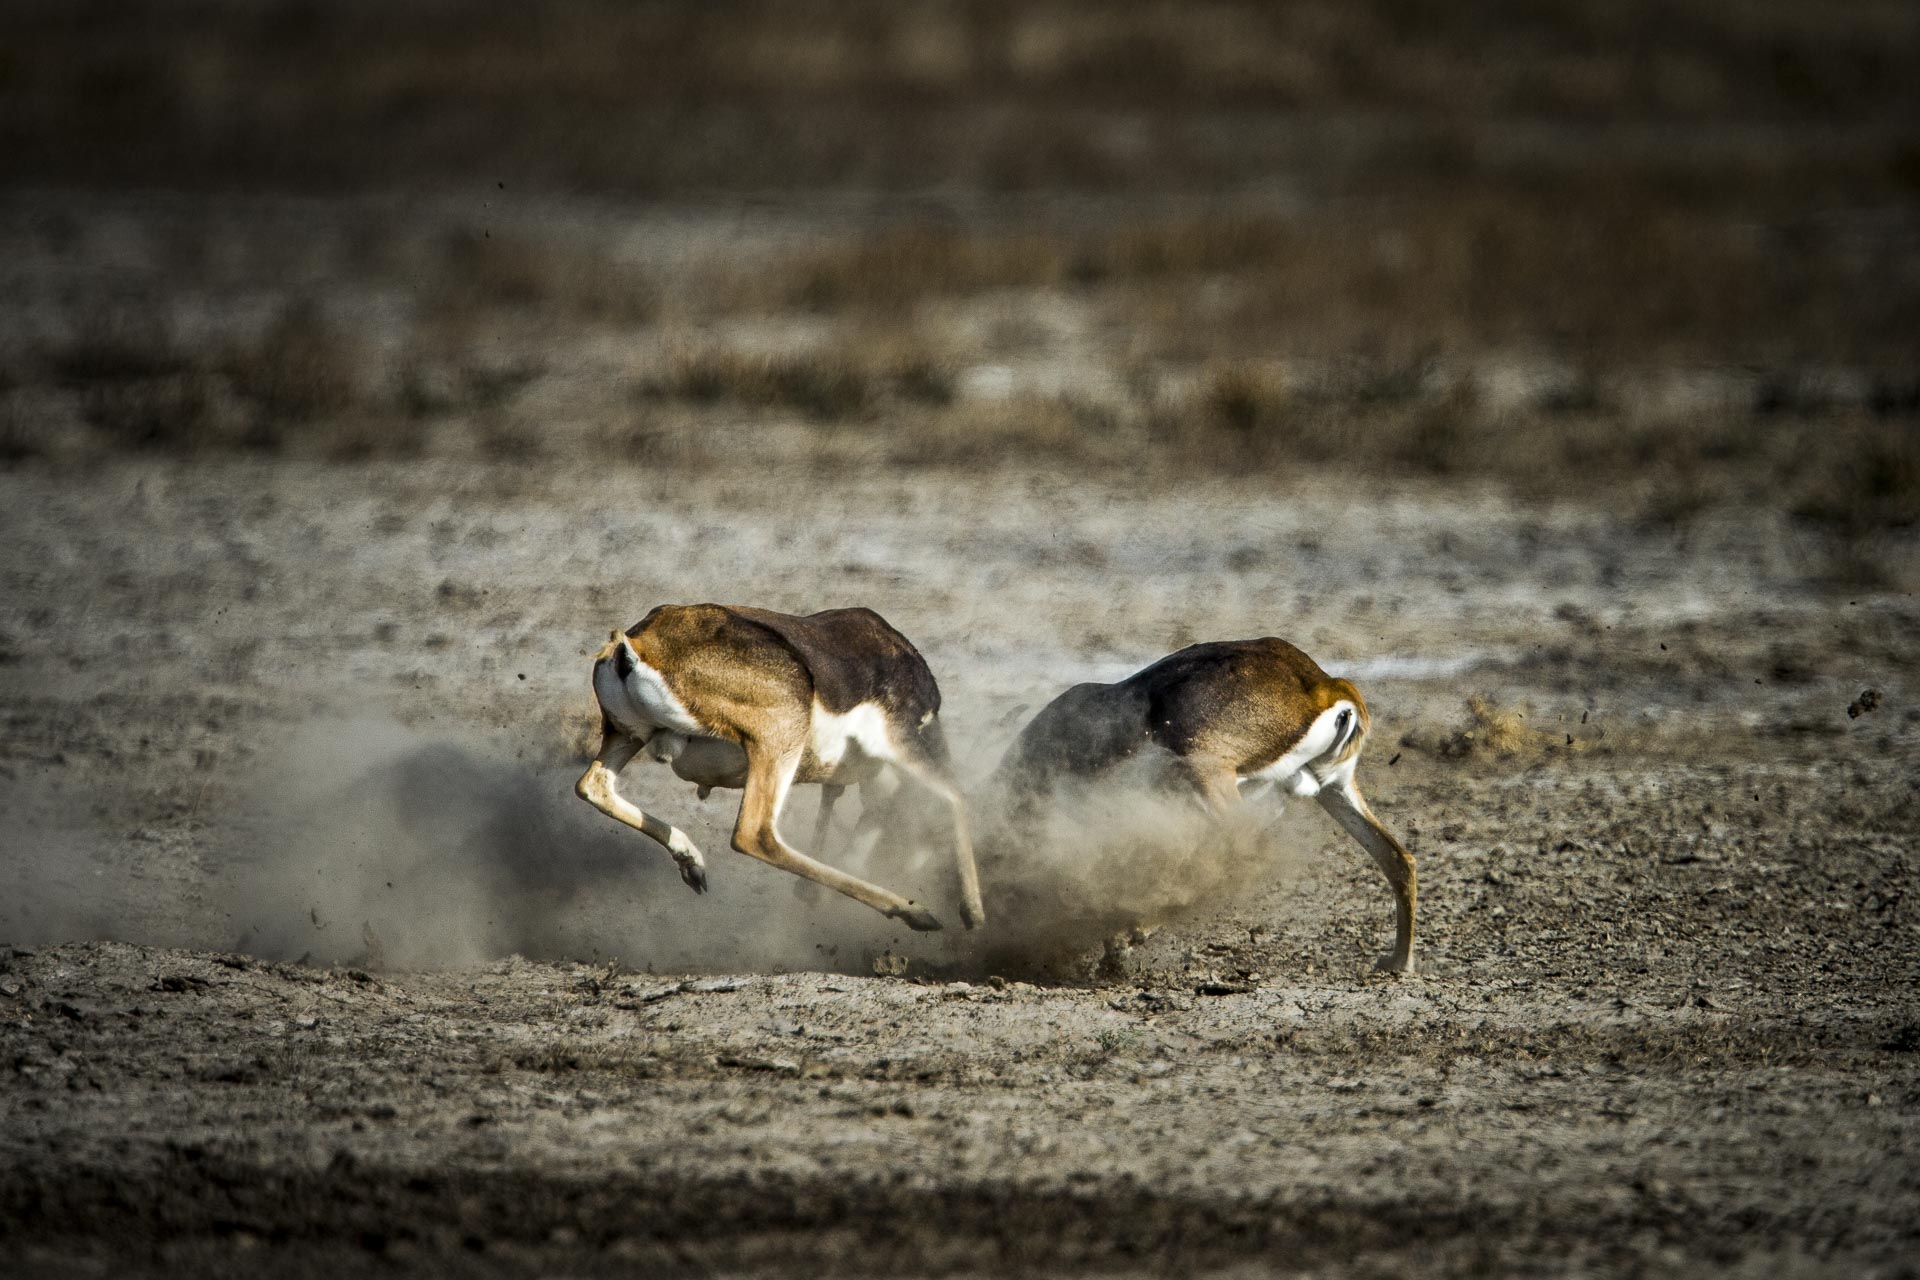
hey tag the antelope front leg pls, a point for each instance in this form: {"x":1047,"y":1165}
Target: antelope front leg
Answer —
{"x":597,"y":789}
{"x":829,"y":796}
{"x":769,"y":776}
{"x":1349,"y":808}
{"x":972,"y":912}
{"x":1218,"y":787}
{"x":1215,"y":782}
{"x":822,"y":828}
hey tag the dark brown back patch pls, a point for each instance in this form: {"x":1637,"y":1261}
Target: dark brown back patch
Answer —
{"x":719,"y":659}
{"x":855,"y":656}
{"x":1244,"y":703}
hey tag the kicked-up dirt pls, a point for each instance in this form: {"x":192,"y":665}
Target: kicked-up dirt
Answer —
{"x":1545,"y":369}
{"x":301,"y":738}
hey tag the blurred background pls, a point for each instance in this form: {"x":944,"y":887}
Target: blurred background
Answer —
{"x":1548,"y":368}
{"x":1662,"y":255}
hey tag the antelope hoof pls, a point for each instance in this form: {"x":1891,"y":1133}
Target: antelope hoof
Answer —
{"x":918,"y":918}
{"x":972,"y":915}
{"x":695,"y":875}
{"x":1393,"y":966}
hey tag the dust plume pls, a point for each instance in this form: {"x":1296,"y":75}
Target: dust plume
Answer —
{"x":384,"y":846}
{"x":1099,"y":859}
{"x":375,"y":844}
{"x":366,"y":842}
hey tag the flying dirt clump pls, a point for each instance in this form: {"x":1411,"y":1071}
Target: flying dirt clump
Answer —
{"x":1491,"y":731}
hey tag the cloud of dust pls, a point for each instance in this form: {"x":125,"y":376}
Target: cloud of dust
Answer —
{"x":1122,"y":852}
{"x":379,"y":845}
{"x":57,"y":887}
{"x":375,"y":844}
{"x":367,"y":842}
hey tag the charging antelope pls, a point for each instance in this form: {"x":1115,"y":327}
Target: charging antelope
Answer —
{"x":748,"y":698}
{"x":1239,"y":718}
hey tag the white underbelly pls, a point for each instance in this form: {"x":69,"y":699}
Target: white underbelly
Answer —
{"x":706,"y":762}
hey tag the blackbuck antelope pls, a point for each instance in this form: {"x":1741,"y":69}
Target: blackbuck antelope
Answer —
{"x":1237,"y":718}
{"x":736,"y":697}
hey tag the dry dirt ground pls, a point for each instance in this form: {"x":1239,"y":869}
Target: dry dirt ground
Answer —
{"x":1546,"y":368}
{"x":298,"y":737}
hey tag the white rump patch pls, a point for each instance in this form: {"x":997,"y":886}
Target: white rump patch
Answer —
{"x":863,"y":726}
{"x":1325,"y":734}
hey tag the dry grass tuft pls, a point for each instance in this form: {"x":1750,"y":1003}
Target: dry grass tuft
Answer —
{"x":1241,"y":414}
{"x":18,"y":440}
{"x":824,"y":389}
{"x":305,"y":368}
{"x":1494,"y":732}
{"x":479,"y":270}
{"x":190,"y":412}
{"x":117,"y":346}
{"x":433,"y":384}
{"x":832,"y":384}
{"x":1244,"y":398}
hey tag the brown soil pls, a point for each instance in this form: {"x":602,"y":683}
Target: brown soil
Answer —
{"x":1546,"y":369}
{"x":1667,"y":1021}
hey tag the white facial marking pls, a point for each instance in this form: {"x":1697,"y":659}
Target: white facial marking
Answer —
{"x":642,"y":702}
{"x":1326,"y":733}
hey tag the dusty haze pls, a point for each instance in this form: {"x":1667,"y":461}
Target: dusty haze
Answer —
{"x":1547,"y":369}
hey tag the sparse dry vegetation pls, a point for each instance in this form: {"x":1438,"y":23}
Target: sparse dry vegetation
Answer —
{"x":553,"y":279}
{"x":1604,"y":268}
{"x":192,"y":411}
{"x":369,"y":358}
{"x":1667,"y":327}
{"x":845,"y":382}
{"x":1844,"y":463}
{"x":304,"y":367}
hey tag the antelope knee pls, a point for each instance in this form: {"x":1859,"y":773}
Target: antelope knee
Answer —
{"x":755,"y":842}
